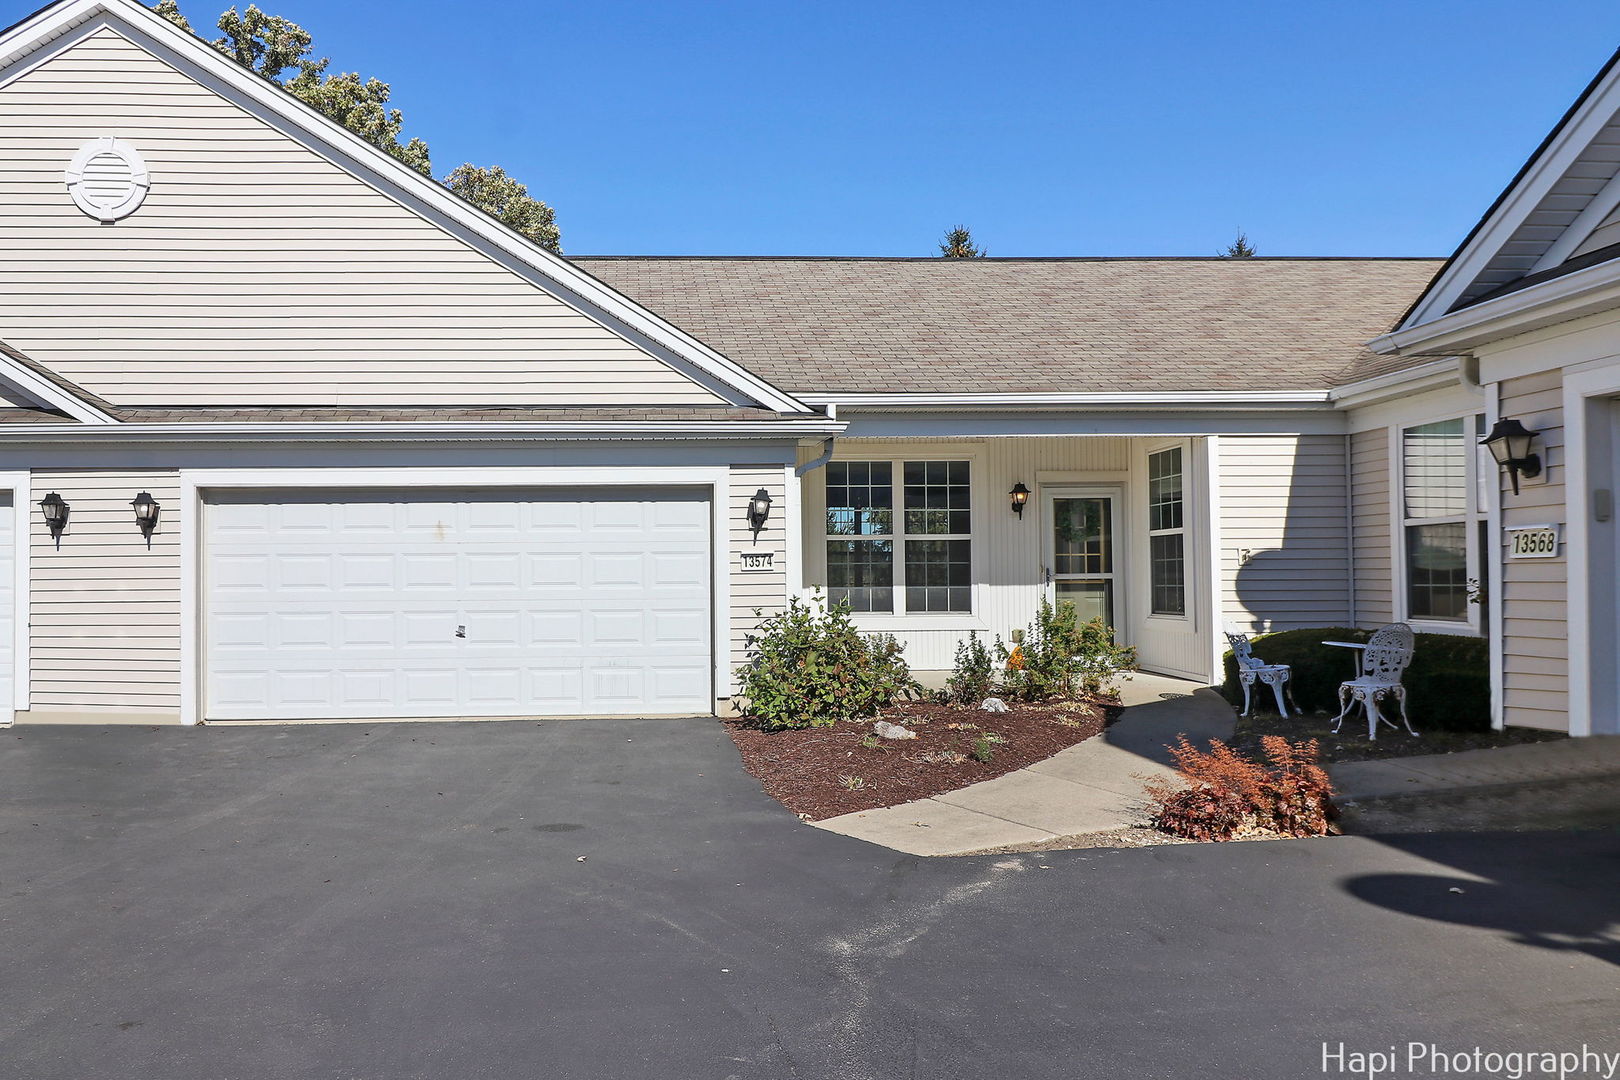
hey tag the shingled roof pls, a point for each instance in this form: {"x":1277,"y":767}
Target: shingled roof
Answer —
{"x":861,"y":325}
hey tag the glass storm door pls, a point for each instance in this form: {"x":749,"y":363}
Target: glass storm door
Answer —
{"x":1080,"y":553}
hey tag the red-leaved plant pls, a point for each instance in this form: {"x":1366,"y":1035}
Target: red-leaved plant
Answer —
{"x":1224,"y":795}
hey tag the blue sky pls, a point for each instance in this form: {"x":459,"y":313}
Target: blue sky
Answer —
{"x":1080,"y":128}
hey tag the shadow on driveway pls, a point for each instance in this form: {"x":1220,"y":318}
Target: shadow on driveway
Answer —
{"x":407,"y":900}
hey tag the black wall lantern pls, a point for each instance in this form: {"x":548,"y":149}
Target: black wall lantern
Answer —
{"x":1020,"y":496}
{"x":146,"y":514}
{"x":759,"y":510}
{"x":56,"y":515}
{"x":1509,"y":443}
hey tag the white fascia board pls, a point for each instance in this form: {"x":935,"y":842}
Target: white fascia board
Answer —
{"x":49,"y":394}
{"x":1584,"y":292}
{"x":1185,"y":423}
{"x":1555,"y":161}
{"x":1433,"y":375}
{"x":1247,"y":400}
{"x":401,"y":183}
{"x":412,"y":431}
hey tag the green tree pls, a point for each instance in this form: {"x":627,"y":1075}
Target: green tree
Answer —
{"x":507,"y":201}
{"x":171,"y":11}
{"x":1239,"y":248}
{"x":271,"y":46}
{"x":958,"y":244}
{"x":359,"y":106}
{"x":267,"y":44}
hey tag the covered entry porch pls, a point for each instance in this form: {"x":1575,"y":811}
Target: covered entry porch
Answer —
{"x":930,"y":539}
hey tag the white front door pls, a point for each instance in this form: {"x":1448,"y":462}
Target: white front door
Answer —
{"x":1082,"y":559}
{"x":362,"y":604}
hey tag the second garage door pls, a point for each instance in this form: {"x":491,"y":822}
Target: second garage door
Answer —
{"x":365,"y":604}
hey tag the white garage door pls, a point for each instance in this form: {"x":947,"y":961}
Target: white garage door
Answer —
{"x":430,"y":603}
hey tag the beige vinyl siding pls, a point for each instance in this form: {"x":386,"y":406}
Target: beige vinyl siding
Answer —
{"x":104,"y":610}
{"x":1535,"y":616}
{"x":766,"y":591}
{"x":1284,"y":544}
{"x":1370,"y":521}
{"x":258,"y":273}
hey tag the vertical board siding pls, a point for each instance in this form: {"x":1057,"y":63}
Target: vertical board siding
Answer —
{"x":104,"y":610}
{"x":1285,"y":552}
{"x":1535,"y":592}
{"x":765,"y":591}
{"x":1372,"y":527}
{"x":258,"y":273}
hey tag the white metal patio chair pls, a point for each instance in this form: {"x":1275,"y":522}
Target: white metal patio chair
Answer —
{"x":1388,"y":653}
{"x":1252,"y":669}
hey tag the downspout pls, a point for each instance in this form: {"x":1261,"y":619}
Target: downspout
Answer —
{"x":815,"y":463}
{"x":1350,"y":525}
{"x":1468,"y":369}
{"x":796,"y":579}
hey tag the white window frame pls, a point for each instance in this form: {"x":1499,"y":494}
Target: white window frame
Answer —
{"x":1475,"y":511}
{"x":1183,"y":531}
{"x":900,"y":615}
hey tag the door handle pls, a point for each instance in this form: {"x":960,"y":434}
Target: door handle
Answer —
{"x":461,"y":631}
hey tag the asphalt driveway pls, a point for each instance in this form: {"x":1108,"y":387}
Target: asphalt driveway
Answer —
{"x":406,"y":901}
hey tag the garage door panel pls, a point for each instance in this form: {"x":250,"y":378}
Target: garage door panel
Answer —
{"x":348,"y":604}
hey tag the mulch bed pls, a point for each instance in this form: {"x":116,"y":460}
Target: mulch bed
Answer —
{"x":826,"y":771}
{"x":1351,"y":744}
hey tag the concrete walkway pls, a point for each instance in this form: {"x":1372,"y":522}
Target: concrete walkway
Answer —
{"x":1468,"y":770}
{"x":1093,"y":787}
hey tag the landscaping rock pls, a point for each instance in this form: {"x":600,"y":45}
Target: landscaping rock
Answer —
{"x":994,"y":704}
{"x":887,"y":730}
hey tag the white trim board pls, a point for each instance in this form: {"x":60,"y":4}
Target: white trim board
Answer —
{"x":1177,"y":399}
{"x":20,"y":484}
{"x":1591,"y":291}
{"x":38,"y":38}
{"x":416,"y":431}
{"x":194,"y":482}
{"x":46,"y":393}
{"x":1566,"y":146}
{"x":1584,"y":391}
{"x":1034,"y":424}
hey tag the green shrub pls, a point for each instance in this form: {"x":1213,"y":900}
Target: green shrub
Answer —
{"x":1060,"y":655}
{"x":809,"y":667}
{"x":1448,"y":685}
{"x":973,"y":676}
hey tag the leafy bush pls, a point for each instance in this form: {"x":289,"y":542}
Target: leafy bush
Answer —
{"x":1059,"y":654}
{"x":809,"y":667}
{"x":973,"y":676}
{"x":1224,"y":795}
{"x":1448,"y":684}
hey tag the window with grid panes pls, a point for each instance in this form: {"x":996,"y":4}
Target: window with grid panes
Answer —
{"x":1167,"y":534}
{"x":916,"y":561}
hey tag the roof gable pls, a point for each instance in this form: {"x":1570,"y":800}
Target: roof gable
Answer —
{"x":152,"y":72}
{"x":1544,"y":220}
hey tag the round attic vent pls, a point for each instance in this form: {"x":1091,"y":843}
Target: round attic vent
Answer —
{"x":107,"y":179}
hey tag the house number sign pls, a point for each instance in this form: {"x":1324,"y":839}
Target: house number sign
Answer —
{"x":754,"y":562}
{"x":1534,"y":542}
